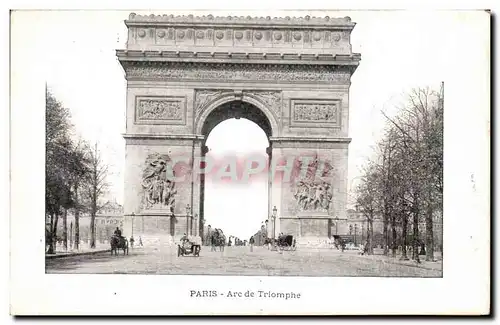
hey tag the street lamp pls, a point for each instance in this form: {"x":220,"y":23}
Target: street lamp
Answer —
{"x":188,"y":211}
{"x":133,"y":216}
{"x":275,"y":212}
{"x":196,"y":226}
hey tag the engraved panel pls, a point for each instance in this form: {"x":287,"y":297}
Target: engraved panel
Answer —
{"x":160,"y":110}
{"x":315,"y":113}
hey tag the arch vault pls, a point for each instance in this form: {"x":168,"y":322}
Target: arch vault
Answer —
{"x":185,"y":74}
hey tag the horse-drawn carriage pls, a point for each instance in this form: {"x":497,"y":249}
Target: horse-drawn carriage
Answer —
{"x":286,"y":243}
{"x":340,"y":242}
{"x":188,"y":248}
{"x":117,"y":243}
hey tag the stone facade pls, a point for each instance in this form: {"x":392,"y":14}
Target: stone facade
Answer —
{"x":185,"y":74}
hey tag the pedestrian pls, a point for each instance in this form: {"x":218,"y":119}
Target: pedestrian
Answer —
{"x":132,"y":241}
{"x":140,"y":241}
{"x":361,"y":249}
{"x":251,"y":241}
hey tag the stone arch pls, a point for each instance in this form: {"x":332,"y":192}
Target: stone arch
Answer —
{"x":226,"y":98}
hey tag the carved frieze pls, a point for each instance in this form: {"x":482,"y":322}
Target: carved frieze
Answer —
{"x":311,"y":113}
{"x":159,"y":190}
{"x":253,"y":73}
{"x":160,"y":110}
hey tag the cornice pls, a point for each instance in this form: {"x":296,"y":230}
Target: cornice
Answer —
{"x":239,"y":57}
{"x":309,"y":139}
{"x":164,"y":136}
{"x":248,"y":21}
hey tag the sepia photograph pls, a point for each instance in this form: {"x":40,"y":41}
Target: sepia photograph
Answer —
{"x":277,"y":145}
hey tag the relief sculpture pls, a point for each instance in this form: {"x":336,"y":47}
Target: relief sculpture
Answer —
{"x":313,"y":192}
{"x":159,"y":190}
{"x":315,"y":112}
{"x":313,"y":195}
{"x":159,"y":109}
{"x":251,"y":73}
{"x":272,"y":100}
{"x":205,"y":96}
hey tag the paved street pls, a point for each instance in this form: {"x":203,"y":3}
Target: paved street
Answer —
{"x":240,"y":261}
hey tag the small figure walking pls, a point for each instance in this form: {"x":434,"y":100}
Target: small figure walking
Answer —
{"x":132,"y":241}
{"x":251,"y":241}
{"x":140,"y":241}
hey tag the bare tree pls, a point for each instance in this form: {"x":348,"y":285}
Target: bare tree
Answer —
{"x":367,"y":201}
{"x":96,"y":186}
{"x":407,"y":173}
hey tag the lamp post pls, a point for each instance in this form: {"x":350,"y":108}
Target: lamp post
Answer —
{"x":133,"y":216}
{"x":188,"y":211}
{"x":196,"y":226}
{"x":275,"y":212}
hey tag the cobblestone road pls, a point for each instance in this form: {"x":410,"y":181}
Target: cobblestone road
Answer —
{"x":240,"y":261}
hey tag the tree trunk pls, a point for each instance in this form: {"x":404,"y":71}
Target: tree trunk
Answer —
{"x":95,"y":184}
{"x":77,"y":219}
{"x":54,"y":233}
{"x":429,"y":234}
{"x":92,"y":231}
{"x":369,"y":236}
{"x":404,"y":234}
{"x":65,"y":229}
{"x":394,"y":235}
{"x":386,"y":237}
{"x":50,"y":237}
{"x":415,"y":234}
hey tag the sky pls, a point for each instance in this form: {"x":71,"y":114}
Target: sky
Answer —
{"x":399,"y":51}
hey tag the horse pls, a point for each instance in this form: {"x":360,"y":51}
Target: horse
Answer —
{"x":119,"y":243}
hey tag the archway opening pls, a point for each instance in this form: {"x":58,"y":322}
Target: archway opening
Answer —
{"x":235,"y":134}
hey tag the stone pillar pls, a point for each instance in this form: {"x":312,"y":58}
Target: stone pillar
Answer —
{"x":277,"y":171}
{"x":197,"y":153}
{"x":315,"y":193}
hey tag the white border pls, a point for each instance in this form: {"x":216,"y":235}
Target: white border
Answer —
{"x":464,"y":289}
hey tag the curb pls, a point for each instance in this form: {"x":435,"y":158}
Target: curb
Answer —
{"x":51,"y":256}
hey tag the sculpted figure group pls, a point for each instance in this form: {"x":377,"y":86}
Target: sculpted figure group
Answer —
{"x":313,"y":196}
{"x":157,"y":188}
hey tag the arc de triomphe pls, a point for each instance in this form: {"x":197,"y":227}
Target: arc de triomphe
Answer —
{"x":185,"y":74}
